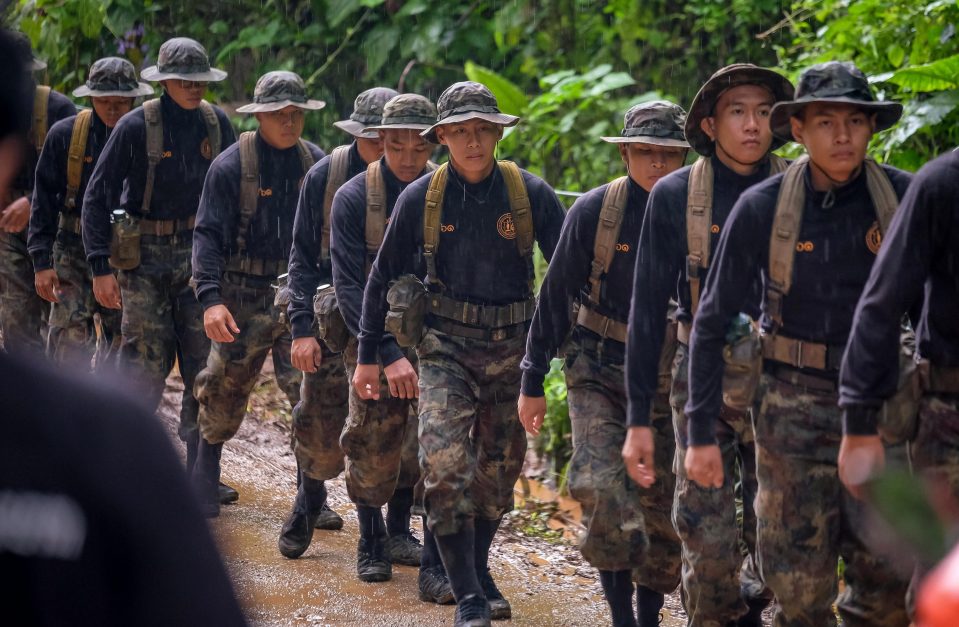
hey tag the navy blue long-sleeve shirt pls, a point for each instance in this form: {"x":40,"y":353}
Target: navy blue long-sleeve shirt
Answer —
{"x":828,"y":277}
{"x":567,"y":279}
{"x":269,"y":236}
{"x":476,"y":260}
{"x":307,"y":269}
{"x":59,"y":107}
{"x":348,"y":251}
{"x":661,"y":274}
{"x":119,"y":178}
{"x":919,"y":257}
{"x":50,"y":189}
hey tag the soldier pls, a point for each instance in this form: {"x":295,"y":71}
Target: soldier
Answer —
{"x":69,"y":155}
{"x":592,"y":269}
{"x":242,"y":240}
{"x":23,"y":313}
{"x":379,"y":438}
{"x":728,"y":126}
{"x":152,"y":167}
{"x":324,"y":396}
{"x":474,"y":220}
{"x":825,"y":216}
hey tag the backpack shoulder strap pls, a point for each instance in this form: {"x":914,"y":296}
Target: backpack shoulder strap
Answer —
{"x":249,"y":182}
{"x":41,"y":122}
{"x":777,"y":164}
{"x":431,"y":166}
{"x":306,"y":157}
{"x":607,"y":232}
{"x":432,"y":213}
{"x":375,"y":207}
{"x":78,"y":149}
{"x":784,"y":235}
{"x":882,"y":193}
{"x":212,"y":127}
{"x":154,"y":139}
{"x":519,"y":207}
{"x":335,"y":177}
{"x":699,"y":217}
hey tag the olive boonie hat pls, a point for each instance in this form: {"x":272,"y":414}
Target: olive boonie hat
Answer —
{"x":835,"y":81}
{"x":183,"y":58}
{"x":724,"y":79}
{"x":467,"y":101}
{"x":406,"y":111}
{"x":112,"y":76}
{"x":367,"y":110}
{"x":657,"y":122}
{"x":277,"y":90}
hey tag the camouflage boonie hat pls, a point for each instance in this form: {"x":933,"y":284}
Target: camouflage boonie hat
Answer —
{"x":724,"y":79}
{"x":183,"y":58}
{"x":277,"y":90}
{"x":112,"y":76}
{"x":367,"y":110}
{"x":834,"y":81}
{"x":409,"y":111}
{"x":467,"y":101}
{"x":658,"y":122}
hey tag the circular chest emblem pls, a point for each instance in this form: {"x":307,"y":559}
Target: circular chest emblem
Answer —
{"x":505,"y":226}
{"x":205,"y":149}
{"x":873,"y":238}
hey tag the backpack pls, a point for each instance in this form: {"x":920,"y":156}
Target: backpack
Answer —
{"x":335,"y":178}
{"x":78,"y":149}
{"x":376,"y":208}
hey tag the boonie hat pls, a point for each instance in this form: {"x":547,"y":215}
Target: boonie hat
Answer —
{"x":406,"y":111}
{"x":658,"y":122}
{"x":367,"y":110}
{"x":277,"y":90}
{"x":183,"y":58}
{"x":112,"y":76}
{"x":467,"y":101}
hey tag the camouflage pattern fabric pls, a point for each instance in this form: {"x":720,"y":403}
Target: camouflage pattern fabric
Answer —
{"x":935,"y":450}
{"x":163,"y":322}
{"x":807,"y":520}
{"x":718,"y":575}
{"x":319,"y":417}
{"x":23,"y":314}
{"x":379,"y":441}
{"x":74,"y":321}
{"x":223,"y":387}
{"x":472,"y":444}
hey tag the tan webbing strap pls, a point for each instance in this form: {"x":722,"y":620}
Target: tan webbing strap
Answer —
{"x":777,"y":164}
{"x":306,"y":157}
{"x":212,"y":127}
{"x":699,"y":217}
{"x":882,"y":193}
{"x":431,"y":221}
{"x":607,"y":232}
{"x":78,"y":149}
{"x":431,"y":166}
{"x":519,"y":207}
{"x":154,"y":140}
{"x":249,"y":184}
{"x":335,"y":177}
{"x":601,"y":325}
{"x":41,"y":122}
{"x":375,"y":207}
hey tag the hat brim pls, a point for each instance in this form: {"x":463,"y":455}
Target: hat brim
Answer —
{"x":503,"y":119}
{"x":709,"y":93}
{"x":356,"y":129}
{"x":265,"y":107}
{"x":887,"y":113}
{"x":85,"y":92}
{"x":396,"y":127}
{"x":154,"y":74}
{"x":644,"y":139}
{"x":37,"y":65}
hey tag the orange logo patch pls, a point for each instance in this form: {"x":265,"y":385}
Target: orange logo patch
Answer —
{"x":714,"y":229}
{"x":205,"y":149}
{"x":266,"y":193}
{"x":805,"y":247}
{"x":505,"y":226}
{"x":874,"y":238}
{"x":622,"y":248}
{"x":166,"y":154}
{"x":88,"y":159}
{"x":447,"y":228}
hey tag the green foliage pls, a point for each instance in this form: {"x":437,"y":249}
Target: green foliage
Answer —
{"x":556,"y":437}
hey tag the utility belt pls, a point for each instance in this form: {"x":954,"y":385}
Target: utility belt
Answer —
{"x":603,"y":326}
{"x":484,"y":334}
{"x":165,"y":228}
{"x":489,"y":323}
{"x":266,"y":268}
{"x":70,"y":223}
{"x":127,"y":231}
{"x":605,"y":349}
{"x":793,"y":376}
{"x":803,"y":354}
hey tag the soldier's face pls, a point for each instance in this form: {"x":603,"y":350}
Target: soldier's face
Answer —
{"x":740,"y":125}
{"x":370,"y":149}
{"x":187,"y":94}
{"x":472,"y":145}
{"x":406,"y":153}
{"x":281,"y":128}
{"x":836,"y":137}
{"x":111,"y":108}
{"x":647,"y":163}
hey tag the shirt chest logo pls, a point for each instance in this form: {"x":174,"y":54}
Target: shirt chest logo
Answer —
{"x":447,"y":228}
{"x":205,"y":149}
{"x":266,"y":193}
{"x":505,"y":226}
{"x":714,"y":229}
{"x":805,"y":247}
{"x":166,"y":154}
{"x":874,"y":238}
{"x":622,"y":248}
{"x":88,"y":159}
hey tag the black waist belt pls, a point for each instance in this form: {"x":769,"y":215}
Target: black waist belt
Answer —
{"x":162,"y":228}
{"x":498,"y":334}
{"x":271,"y":268}
{"x":792,"y":376}
{"x":69,"y":223}
{"x":488,"y":316}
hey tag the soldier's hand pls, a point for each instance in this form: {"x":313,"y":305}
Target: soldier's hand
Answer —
{"x":532,"y":412}
{"x":638,"y":452}
{"x":15,"y":217}
{"x":107,"y":291}
{"x":704,"y":465}
{"x":47,"y":285}
{"x":366,"y":380}
{"x":219,"y":324}
{"x":402,"y":379}
{"x":306,"y":354}
{"x":861,"y":458}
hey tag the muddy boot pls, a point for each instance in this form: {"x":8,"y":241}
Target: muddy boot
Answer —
{"x":458,"y":552}
{"x":472,"y":611}
{"x":297,"y":532}
{"x":328,"y":519}
{"x":754,"y":615}
{"x":498,"y":606}
{"x":402,"y":547}
{"x":206,"y":477}
{"x":372,"y":563}
{"x":227,"y":494}
{"x":648,"y":606}
{"x":618,"y":590}
{"x":433,"y":583}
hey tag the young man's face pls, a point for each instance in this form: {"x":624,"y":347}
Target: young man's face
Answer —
{"x":281,"y":128}
{"x":111,"y":108}
{"x":370,"y":149}
{"x":740,"y":124}
{"x":835,"y":135}
{"x":406,"y":153}
{"x":647,"y":163}
{"x":187,"y":94}
{"x":472,"y":146}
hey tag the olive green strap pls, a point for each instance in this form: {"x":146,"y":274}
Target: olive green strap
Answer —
{"x":607,"y":232}
{"x":335,"y":177}
{"x":154,"y":144}
{"x":432,"y":214}
{"x":41,"y":122}
{"x":375,"y":207}
{"x":249,"y":187}
{"x":78,"y":149}
{"x":699,"y":217}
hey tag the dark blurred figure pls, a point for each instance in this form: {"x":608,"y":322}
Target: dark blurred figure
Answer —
{"x":14,"y":107}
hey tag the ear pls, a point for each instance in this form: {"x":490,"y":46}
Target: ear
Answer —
{"x":872,"y":122}
{"x":708,"y":126}
{"x":440,"y":133}
{"x":259,"y":117}
{"x":797,"y":126}
{"x":624,"y":152}
{"x":500,"y":134}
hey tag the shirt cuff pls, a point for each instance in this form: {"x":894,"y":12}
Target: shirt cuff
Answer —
{"x":638,"y":413}
{"x":210,"y":297}
{"x":100,"y":266}
{"x":860,"y":420}
{"x":301,"y":325}
{"x":368,"y":352}
{"x":532,"y":384}
{"x":42,"y":260}
{"x":390,"y":351}
{"x":700,"y":432}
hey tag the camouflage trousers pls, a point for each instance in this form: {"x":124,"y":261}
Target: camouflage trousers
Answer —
{"x":379,"y":440}
{"x":807,"y":520}
{"x":224,"y":386}
{"x":472,"y":444}
{"x":720,"y":571}
{"x":319,"y":417}
{"x":935,"y":450}
{"x":162,"y":324}
{"x":627,"y":527}
{"x":81,"y":330}
{"x":23,"y":314}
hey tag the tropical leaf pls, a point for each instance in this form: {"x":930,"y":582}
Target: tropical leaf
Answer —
{"x":511,"y":98}
{"x":938,"y":75}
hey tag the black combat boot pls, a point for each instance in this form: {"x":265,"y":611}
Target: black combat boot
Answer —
{"x":648,"y":606}
{"x":372,"y":563}
{"x":458,"y":552}
{"x":402,"y":547}
{"x":433,"y":583}
{"x":297,"y":532}
{"x":499,"y":607}
{"x":328,"y":519}
{"x":206,"y":477}
{"x":226,"y":494}
{"x":754,"y":615}
{"x":618,"y":590}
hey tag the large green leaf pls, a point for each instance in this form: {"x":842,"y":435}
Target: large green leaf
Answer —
{"x":920,"y":114}
{"x":511,"y":98}
{"x":936,"y":76}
